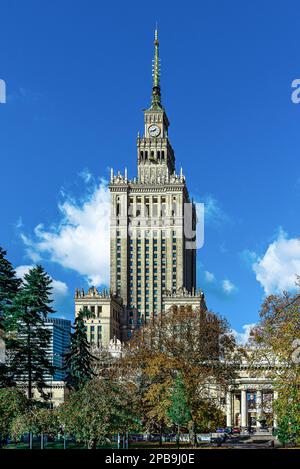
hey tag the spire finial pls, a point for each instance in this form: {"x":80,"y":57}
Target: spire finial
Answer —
{"x":156,"y":72}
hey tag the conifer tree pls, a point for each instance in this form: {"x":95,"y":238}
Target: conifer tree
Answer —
{"x":9,"y":283}
{"x":27,"y":339}
{"x":79,"y":360}
{"x":9,"y":286}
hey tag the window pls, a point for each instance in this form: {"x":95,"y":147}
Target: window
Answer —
{"x":99,"y":310}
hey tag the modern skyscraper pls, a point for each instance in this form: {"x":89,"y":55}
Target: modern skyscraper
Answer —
{"x":60,"y":330}
{"x":152,"y":230}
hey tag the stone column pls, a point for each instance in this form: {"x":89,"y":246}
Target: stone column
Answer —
{"x":243,"y":409}
{"x":258,"y":407}
{"x":228,"y":409}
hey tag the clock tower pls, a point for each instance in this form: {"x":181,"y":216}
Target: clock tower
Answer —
{"x":150,"y":255}
{"x":156,"y":161}
{"x":152,"y":236}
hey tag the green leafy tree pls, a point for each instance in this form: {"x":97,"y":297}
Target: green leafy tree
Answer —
{"x":13,"y":403}
{"x":178,"y":411}
{"x":27,"y":339}
{"x":275,"y":340}
{"x":9,"y":286}
{"x":79,"y":361}
{"x":97,"y":410}
{"x":37,"y":420}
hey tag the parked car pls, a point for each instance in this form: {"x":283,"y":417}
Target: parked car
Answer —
{"x":228,"y":430}
{"x":236,"y":431}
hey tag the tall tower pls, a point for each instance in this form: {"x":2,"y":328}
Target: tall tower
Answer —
{"x":152,"y":220}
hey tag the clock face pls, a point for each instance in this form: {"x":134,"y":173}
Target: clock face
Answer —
{"x":154,"y":131}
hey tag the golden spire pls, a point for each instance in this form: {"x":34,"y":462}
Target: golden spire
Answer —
{"x":156,"y":97}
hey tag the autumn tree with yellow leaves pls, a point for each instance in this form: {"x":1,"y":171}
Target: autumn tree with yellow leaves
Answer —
{"x":198,"y":346}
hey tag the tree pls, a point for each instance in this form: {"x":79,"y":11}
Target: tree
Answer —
{"x":79,"y":360}
{"x":27,"y":339}
{"x":98,"y":409}
{"x":36,"y":420}
{"x":197,"y":345}
{"x":9,"y":286}
{"x":9,"y":283}
{"x":155,"y":389}
{"x":178,"y":411}
{"x":13,"y":403}
{"x":275,"y":343}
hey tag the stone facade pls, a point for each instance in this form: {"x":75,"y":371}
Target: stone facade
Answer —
{"x":152,"y":236}
{"x":249,"y":400}
{"x":55,"y":390}
{"x":108,"y":319}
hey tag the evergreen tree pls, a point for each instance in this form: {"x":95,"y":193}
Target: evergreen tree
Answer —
{"x":179,"y":412}
{"x":79,"y":360}
{"x":9,"y":286}
{"x":9,"y":283}
{"x":27,"y":339}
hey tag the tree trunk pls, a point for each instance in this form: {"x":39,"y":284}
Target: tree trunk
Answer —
{"x":92,"y":443}
{"x":29,"y":361}
{"x":193,"y":438}
{"x":160,"y":435}
{"x":178,"y":436}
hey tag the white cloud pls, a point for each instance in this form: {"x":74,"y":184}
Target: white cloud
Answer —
{"x":221,"y":288}
{"x":80,"y":239}
{"x":209,"y":277}
{"x":242,"y":337}
{"x":86,"y":175}
{"x":21,"y":270}
{"x":228,"y":286}
{"x":213,"y":212}
{"x":276,"y":270}
{"x":59,"y":288}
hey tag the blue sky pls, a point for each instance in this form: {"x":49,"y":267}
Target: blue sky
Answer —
{"x":78,"y":75}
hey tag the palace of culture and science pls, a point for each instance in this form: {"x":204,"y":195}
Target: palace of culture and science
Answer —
{"x":152,"y":236}
{"x":153,"y":264}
